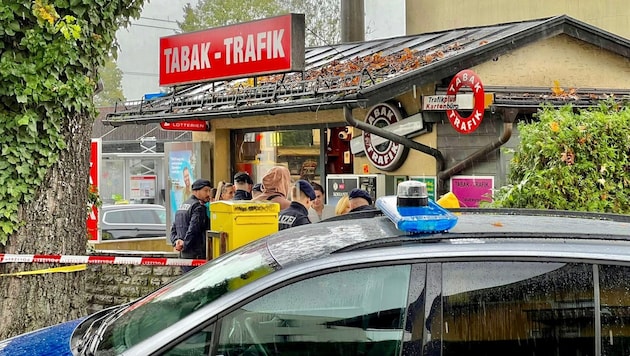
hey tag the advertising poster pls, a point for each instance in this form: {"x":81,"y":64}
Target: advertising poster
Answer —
{"x":338,"y":186}
{"x":143,"y":187}
{"x":181,"y":175}
{"x":470,"y":190}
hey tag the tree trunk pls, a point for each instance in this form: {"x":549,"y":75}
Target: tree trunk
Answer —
{"x":54,"y":223}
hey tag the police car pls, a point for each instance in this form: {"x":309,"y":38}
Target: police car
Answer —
{"x":408,"y":279}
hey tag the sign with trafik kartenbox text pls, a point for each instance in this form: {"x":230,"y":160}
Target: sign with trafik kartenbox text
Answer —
{"x":273,"y":45}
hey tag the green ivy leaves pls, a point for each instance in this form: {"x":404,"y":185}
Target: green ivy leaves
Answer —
{"x":50,"y":51}
{"x":572,"y":161}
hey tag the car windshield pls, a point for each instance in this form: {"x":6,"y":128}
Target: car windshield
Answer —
{"x":197,"y":288}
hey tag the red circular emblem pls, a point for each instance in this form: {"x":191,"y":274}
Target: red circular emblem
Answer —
{"x":468,"y":124}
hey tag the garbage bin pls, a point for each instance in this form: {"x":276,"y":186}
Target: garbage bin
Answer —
{"x":237,"y":223}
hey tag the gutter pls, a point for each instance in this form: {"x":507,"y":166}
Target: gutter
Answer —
{"x":347,"y":112}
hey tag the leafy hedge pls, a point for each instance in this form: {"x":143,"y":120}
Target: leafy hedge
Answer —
{"x":571,"y":160}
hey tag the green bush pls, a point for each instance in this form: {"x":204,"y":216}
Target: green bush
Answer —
{"x":571,"y":160}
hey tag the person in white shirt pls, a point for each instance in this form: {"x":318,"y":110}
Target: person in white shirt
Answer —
{"x":319,"y":211}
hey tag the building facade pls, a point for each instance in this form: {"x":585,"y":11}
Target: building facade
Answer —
{"x":327,"y":119}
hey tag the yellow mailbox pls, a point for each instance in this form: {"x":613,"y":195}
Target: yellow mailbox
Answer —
{"x":236,"y":223}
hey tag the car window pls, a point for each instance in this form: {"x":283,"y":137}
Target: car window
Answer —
{"x":615,"y":309}
{"x":510,"y":308}
{"x":142,"y":216}
{"x":355,"y":312}
{"x":198,"y":344}
{"x":115,"y":217}
{"x":161,"y":215}
{"x":185,"y":295}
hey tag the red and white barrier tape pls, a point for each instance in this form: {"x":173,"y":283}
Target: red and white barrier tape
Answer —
{"x":111,"y":260}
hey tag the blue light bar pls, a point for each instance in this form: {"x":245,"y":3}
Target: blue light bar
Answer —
{"x":430,"y":218}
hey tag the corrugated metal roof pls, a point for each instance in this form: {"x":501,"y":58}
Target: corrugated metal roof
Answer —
{"x":360,"y":74}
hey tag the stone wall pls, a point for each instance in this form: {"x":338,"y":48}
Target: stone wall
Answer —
{"x":109,"y":285}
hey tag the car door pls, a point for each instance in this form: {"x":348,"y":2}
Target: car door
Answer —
{"x":356,"y":311}
{"x":552,"y":307}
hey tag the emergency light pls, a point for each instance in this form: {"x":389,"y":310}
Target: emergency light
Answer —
{"x":413,"y":212}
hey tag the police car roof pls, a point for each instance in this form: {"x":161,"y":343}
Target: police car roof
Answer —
{"x":359,"y":231}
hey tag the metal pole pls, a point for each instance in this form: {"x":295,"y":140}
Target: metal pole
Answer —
{"x":352,"y":21}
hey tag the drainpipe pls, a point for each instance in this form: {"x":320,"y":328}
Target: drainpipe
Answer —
{"x":347,"y":112}
{"x":508,"y":115}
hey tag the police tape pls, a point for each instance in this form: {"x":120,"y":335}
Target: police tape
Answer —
{"x":111,"y":260}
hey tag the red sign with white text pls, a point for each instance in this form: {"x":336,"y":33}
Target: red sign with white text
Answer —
{"x":272,"y":45}
{"x":185,"y":125}
{"x":95,"y":157}
{"x":468,"y":124}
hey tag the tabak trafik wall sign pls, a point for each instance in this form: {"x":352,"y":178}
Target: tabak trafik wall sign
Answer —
{"x":382,"y":153}
{"x":273,"y":45}
{"x":469,"y":124}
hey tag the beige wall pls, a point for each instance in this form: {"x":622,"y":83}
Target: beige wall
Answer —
{"x":430,"y":15}
{"x":417,"y":163}
{"x":571,"y":62}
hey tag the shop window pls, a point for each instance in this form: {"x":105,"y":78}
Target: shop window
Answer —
{"x":298,"y":150}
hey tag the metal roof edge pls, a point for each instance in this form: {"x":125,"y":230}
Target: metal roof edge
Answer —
{"x":550,"y":27}
{"x":352,"y":100}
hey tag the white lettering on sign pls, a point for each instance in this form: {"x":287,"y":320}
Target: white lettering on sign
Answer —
{"x":386,"y":156}
{"x":468,"y":124}
{"x":186,"y":58}
{"x":261,"y":46}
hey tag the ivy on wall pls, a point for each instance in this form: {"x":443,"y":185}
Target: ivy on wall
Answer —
{"x":49,"y":53}
{"x":572,"y":160}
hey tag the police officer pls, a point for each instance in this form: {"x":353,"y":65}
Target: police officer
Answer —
{"x":360,"y":200}
{"x":297,"y":213}
{"x":243,"y":184}
{"x":188,"y":232}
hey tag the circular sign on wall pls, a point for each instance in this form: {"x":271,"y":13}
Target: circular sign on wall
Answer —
{"x":468,"y":124}
{"x":383,"y":153}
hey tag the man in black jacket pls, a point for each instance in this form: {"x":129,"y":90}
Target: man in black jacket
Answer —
{"x":243,"y":183}
{"x":188,"y":231}
{"x":297,"y":213}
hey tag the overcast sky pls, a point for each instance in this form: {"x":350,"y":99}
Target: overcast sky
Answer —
{"x":139,"y":43}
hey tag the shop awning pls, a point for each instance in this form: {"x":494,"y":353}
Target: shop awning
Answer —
{"x":360,"y":74}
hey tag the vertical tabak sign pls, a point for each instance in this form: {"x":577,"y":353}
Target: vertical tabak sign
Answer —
{"x":272,"y":45}
{"x":95,"y":157}
{"x":468,"y":124}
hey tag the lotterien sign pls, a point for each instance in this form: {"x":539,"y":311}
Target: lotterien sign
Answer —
{"x":273,"y":45}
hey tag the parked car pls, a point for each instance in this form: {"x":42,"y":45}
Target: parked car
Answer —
{"x":500,"y":282}
{"x":130,"y":221}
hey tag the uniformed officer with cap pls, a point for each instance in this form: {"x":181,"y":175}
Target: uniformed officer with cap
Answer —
{"x":360,"y":200}
{"x":243,"y":183}
{"x":188,"y":231}
{"x":297,"y":213}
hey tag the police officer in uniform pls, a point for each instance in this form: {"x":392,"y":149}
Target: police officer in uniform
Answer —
{"x":360,"y":200}
{"x":297,"y":213}
{"x":188,"y":232}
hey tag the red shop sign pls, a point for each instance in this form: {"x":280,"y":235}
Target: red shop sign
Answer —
{"x":185,"y":125}
{"x":468,"y":124}
{"x":273,"y":45}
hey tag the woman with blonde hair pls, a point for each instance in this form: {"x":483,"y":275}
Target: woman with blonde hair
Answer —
{"x":225,"y":191}
{"x":343,"y":205}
